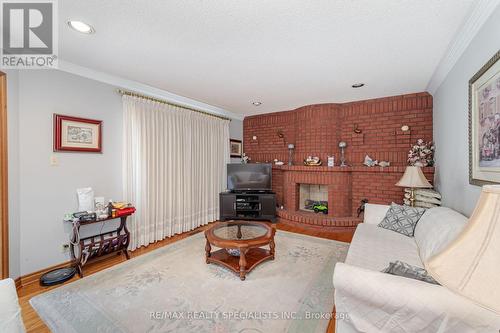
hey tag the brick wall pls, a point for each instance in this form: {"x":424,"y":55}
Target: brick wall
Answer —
{"x":317,"y":129}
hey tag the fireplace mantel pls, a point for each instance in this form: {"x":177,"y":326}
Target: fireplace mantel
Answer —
{"x":363,"y":169}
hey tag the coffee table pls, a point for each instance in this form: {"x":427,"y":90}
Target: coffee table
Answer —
{"x":240,"y":244}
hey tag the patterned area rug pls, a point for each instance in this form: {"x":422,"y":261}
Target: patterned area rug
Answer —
{"x":172,"y":289}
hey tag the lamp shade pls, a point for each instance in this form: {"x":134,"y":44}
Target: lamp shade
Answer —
{"x":414,"y":178}
{"x":470,"y":265}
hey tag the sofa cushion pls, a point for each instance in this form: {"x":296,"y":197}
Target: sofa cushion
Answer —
{"x":402,"y":219}
{"x":436,"y":229}
{"x":374,"y":213}
{"x":374,"y":248}
{"x":10,"y":311}
{"x":403,"y":269}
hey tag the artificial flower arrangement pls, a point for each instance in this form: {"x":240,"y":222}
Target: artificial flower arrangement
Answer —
{"x":421,"y":154}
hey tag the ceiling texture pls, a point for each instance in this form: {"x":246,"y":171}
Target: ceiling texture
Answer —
{"x":283,"y":53}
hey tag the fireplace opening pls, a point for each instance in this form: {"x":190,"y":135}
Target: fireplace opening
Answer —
{"x":314,"y":198}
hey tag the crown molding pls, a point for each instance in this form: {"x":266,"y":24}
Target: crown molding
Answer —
{"x":145,"y":89}
{"x":480,"y":13}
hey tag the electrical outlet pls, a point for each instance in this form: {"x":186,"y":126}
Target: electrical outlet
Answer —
{"x":54,"y":161}
{"x":65,"y":248}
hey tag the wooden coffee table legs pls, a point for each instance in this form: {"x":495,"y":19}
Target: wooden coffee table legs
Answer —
{"x":248,"y":259}
{"x":243,"y":264}
{"x":271,"y":248}
{"x":252,"y":251}
{"x":208,"y":248}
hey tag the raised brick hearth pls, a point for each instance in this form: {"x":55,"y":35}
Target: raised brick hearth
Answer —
{"x":316,"y":130}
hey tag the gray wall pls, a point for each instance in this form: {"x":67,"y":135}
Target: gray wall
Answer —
{"x":40,"y":194}
{"x":13,"y":151}
{"x":236,"y":132}
{"x":47,"y":192}
{"x":451,"y":120}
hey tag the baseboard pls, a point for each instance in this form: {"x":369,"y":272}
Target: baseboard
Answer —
{"x":34,"y":277}
{"x":17,"y":282}
{"x":27,"y":279}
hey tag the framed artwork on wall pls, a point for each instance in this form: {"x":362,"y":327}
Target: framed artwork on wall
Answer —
{"x":73,"y":134}
{"x":484,"y":124}
{"x":235,"y":148}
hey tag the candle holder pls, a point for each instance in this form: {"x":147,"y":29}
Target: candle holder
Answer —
{"x":342,"y":146}
{"x":291,"y":148}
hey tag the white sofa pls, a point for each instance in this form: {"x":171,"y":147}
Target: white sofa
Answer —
{"x":367,"y":300}
{"x":10,"y":311}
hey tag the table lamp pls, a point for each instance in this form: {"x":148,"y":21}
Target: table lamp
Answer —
{"x":413,"y":178}
{"x":469,"y":265}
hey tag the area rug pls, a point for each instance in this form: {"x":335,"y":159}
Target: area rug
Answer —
{"x":172,"y":289}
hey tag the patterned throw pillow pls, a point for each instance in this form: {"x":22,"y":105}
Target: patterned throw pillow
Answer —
{"x":402,"y":219}
{"x":403,"y":269}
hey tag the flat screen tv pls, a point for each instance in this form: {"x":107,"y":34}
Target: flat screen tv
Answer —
{"x":249,"y":177}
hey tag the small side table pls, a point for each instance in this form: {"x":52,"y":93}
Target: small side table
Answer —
{"x":98,"y":245}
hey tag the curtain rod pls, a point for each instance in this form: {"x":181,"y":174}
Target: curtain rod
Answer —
{"x":129,"y":93}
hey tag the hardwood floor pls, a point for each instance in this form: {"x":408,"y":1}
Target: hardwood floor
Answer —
{"x":33,"y":323}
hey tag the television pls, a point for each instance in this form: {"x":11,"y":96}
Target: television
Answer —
{"x":249,"y":177}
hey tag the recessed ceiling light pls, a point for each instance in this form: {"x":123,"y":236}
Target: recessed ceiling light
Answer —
{"x":80,"y":26}
{"x":358,"y":85}
{"x":256,"y":103}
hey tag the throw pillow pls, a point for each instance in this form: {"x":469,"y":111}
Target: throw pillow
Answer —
{"x":403,"y":269}
{"x":402,"y":219}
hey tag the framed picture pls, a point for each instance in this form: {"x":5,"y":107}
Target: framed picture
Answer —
{"x":235,"y":148}
{"x":484,"y":124}
{"x":77,"y":134}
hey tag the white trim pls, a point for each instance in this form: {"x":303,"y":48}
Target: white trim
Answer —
{"x":145,"y":89}
{"x":481,"y":11}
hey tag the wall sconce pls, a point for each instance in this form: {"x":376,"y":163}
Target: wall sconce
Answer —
{"x":281,"y":135}
{"x":291,"y":147}
{"x":356,"y":129}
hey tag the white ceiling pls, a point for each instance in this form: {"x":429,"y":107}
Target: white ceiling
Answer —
{"x":284,"y":53}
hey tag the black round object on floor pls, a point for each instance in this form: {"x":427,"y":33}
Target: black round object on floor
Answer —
{"x":57,"y":276}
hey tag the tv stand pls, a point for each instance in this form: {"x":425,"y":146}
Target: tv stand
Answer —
{"x":248,"y":205}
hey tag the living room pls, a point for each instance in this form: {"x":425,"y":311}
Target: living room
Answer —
{"x":231,"y":166}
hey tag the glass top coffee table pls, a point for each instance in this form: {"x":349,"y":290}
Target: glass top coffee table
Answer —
{"x":240,"y":244}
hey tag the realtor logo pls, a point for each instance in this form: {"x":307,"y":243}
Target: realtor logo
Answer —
{"x":29,"y":34}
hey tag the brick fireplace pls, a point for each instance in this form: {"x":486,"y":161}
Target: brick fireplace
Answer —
{"x":346,"y":187}
{"x":370,"y":127}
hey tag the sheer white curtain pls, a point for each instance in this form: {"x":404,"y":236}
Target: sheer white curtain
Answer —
{"x":174,"y":168}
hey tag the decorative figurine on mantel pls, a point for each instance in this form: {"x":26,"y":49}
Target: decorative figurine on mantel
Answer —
{"x":245,"y":159}
{"x":312,"y":161}
{"x":277,"y":162}
{"x":331,"y":161}
{"x":342,"y":146}
{"x":369,"y":162}
{"x":384,"y":164}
